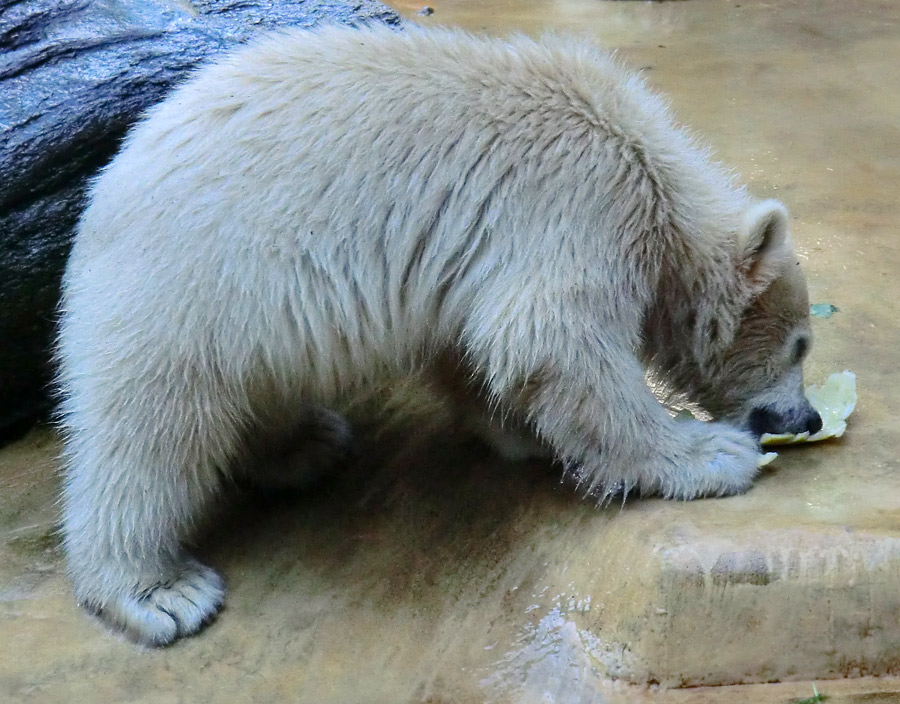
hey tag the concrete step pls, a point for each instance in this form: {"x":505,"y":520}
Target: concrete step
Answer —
{"x":430,"y":573}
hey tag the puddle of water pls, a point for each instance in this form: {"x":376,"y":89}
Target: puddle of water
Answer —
{"x":552,"y":662}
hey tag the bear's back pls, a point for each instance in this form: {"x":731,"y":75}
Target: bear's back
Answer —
{"x":392,"y":171}
{"x":319,"y":118}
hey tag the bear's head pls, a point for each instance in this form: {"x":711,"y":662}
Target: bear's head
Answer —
{"x":755,"y":378}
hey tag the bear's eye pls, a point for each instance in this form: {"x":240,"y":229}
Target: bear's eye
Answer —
{"x":801,"y":347}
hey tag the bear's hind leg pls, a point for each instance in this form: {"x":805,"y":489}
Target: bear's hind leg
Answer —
{"x":132,"y":492}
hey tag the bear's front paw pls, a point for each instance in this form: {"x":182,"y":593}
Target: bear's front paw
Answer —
{"x":715,"y":460}
{"x":158,"y":614}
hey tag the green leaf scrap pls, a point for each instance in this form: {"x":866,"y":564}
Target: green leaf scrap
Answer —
{"x":814,"y":699}
{"x":823,"y":310}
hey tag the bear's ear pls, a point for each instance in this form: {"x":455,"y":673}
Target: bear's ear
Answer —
{"x":763,"y":242}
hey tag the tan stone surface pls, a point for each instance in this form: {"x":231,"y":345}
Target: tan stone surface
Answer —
{"x":438,"y":574}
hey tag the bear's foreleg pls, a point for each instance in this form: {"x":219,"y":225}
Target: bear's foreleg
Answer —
{"x":604,"y":421}
{"x":588,"y":400}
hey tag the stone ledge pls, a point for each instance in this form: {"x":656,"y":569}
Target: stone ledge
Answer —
{"x":431,"y":571}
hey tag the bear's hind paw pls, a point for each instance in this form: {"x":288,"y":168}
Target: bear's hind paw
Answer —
{"x":160,"y":614}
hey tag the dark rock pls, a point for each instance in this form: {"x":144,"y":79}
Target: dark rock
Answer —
{"x":74,"y":74}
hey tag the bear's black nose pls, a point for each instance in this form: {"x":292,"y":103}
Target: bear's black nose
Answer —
{"x":765,"y":420}
{"x":814,"y":423}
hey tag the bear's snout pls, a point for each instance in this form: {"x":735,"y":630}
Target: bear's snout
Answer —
{"x":768,"y":420}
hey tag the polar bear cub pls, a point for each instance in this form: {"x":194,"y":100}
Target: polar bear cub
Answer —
{"x":326,"y":207}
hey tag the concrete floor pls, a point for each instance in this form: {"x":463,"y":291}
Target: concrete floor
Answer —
{"x":434,"y":573}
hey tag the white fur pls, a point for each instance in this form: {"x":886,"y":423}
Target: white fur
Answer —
{"x":327,"y":207}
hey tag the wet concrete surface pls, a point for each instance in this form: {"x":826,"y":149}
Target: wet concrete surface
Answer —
{"x":432,"y":572}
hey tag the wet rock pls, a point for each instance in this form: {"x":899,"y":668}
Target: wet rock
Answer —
{"x":74,"y":74}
